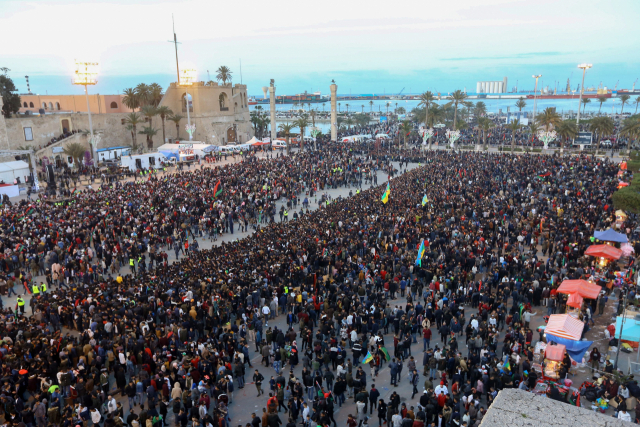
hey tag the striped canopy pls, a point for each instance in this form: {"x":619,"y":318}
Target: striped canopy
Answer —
{"x":604,"y":251}
{"x":564,"y":326}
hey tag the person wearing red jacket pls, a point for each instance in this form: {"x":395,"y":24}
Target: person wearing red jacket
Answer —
{"x":426,"y":338}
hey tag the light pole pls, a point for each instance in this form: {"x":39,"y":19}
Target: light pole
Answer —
{"x":584,"y":67}
{"x":186,"y":80}
{"x":535,"y":94}
{"x":85,"y":75}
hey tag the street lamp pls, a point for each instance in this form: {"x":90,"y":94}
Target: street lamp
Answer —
{"x":584,"y":67}
{"x":535,"y":94}
{"x":187,"y":79}
{"x":85,"y":75}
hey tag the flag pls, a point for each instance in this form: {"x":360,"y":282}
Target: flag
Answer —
{"x":385,"y":195}
{"x":507,"y":366}
{"x":217,"y":192}
{"x":368,"y":358}
{"x":324,"y":252}
{"x":386,"y":353}
{"x":424,"y":200}
{"x":420,"y":254}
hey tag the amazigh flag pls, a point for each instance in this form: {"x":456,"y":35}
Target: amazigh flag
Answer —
{"x":420,"y":254}
{"x":385,"y":195}
{"x":217,"y":192}
{"x":368,"y":358}
{"x":425,"y":200}
{"x":507,"y":366}
{"x":386,"y":353}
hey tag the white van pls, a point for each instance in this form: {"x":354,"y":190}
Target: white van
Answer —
{"x":279,"y":144}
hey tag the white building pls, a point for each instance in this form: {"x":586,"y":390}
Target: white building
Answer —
{"x":499,"y":86}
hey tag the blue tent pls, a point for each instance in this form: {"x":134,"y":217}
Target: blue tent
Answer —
{"x":631,"y":330}
{"x":169,"y":154}
{"x":575,"y":349}
{"x":610,"y":236}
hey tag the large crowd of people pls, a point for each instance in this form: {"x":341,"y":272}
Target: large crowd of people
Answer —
{"x":110,"y":316}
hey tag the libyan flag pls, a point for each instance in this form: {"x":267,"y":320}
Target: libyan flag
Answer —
{"x":386,"y":353}
{"x":217,"y":192}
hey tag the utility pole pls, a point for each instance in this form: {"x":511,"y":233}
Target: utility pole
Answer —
{"x":584,"y":67}
{"x":175,"y":43}
{"x":624,"y":317}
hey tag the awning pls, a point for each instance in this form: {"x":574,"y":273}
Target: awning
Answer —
{"x":564,"y":326}
{"x":581,"y":287}
{"x":604,"y":251}
{"x":575,"y":300}
{"x":610,"y":235}
{"x":630,"y":331}
{"x":555,"y":352}
{"x":575,"y":349}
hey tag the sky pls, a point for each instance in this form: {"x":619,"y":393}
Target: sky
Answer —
{"x":365,"y":46}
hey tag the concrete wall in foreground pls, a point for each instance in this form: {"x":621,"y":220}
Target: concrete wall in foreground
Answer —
{"x":514,"y":407}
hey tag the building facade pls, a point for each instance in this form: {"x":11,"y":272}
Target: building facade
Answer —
{"x":100,"y":104}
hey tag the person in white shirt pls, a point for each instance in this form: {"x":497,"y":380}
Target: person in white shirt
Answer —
{"x":95,"y":416}
{"x":441,"y":388}
{"x":112,"y":406}
{"x":265,"y":313}
{"x":624,"y":416}
{"x":474,"y":323}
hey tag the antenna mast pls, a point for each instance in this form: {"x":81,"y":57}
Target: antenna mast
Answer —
{"x":175,"y":43}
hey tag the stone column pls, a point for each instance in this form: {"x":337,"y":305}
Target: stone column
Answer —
{"x":272,"y":109}
{"x":334,"y":113}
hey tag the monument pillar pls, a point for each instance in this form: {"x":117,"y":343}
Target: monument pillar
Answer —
{"x":272,"y":109}
{"x":334,"y":112}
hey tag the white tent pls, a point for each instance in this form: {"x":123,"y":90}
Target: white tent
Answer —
{"x":9,"y":171}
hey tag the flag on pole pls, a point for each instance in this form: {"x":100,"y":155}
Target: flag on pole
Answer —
{"x":368,"y":358}
{"x":385,"y":195}
{"x":386,"y":353}
{"x":217,"y":192}
{"x":425,"y":200}
{"x":421,"y":250}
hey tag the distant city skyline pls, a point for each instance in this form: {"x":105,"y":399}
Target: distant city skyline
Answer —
{"x":378,"y":49}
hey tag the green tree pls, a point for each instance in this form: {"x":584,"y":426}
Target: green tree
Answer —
{"x":521,"y":103}
{"x":426,"y":100}
{"x":406,"y":127}
{"x":585,"y":101}
{"x":339,"y":104}
{"x":133,"y":120}
{"x":549,"y":118}
{"x":371,"y":105}
{"x":623,"y":100}
{"x":347,"y":106}
{"x":10,"y":100}
{"x":143,"y":93}
{"x":131,"y":99}
{"x":485,"y":124}
{"x":155,"y":94}
{"x":76,"y":151}
{"x":149,"y":111}
{"x":631,"y":129}
{"x":566,"y":129}
{"x":480,"y":110}
{"x":176,"y":119}
{"x":150,"y":133}
{"x":224,"y":74}
{"x":286,"y":129}
{"x":601,"y":126}
{"x":302,"y":123}
{"x":163,"y":112}
{"x":401,"y":110}
{"x":601,"y":100}
{"x":637,"y":103}
{"x":456,"y":98}
{"x":514,"y":127}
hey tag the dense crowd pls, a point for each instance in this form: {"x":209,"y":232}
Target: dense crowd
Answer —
{"x":177,"y":338}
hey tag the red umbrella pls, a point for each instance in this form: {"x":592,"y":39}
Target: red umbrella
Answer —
{"x":604,"y":251}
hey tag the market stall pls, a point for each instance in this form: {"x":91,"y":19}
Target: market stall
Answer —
{"x":610,"y":235}
{"x":564,"y":326}
{"x":604,"y":251}
{"x":553,"y":356}
{"x":581,"y":287}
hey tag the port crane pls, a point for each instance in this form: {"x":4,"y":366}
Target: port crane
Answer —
{"x":634,"y":85}
{"x":400,"y":93}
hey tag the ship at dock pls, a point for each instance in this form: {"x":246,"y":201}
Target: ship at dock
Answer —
{"x":301,"y":98}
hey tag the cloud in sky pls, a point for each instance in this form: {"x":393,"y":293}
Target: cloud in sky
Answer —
{"x":514,"y":56}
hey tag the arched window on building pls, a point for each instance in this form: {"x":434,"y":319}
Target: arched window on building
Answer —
{"x":31,"y":105}
{"x":25,"y":105}
{"x":184,"y":102}
{"x":224,"y":102}
{"x":44,"y":105}
{"x":114,"y":105}
{"x":58,"y":106}
{"x":51,"y":106}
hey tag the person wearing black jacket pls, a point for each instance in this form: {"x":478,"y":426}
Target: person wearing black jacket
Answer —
{"x":374,"y":394}
{"x":382,"y":412}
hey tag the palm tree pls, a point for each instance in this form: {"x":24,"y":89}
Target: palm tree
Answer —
{"x":401,"y":110}
{"x":534,"y":128}
{"x":150,"y":133}
{"x":149,"y":111}
{"x":163,"y":112}
{"x":347,"y":106}
{"x":142,"y":92}
{"x":130,"y":99}
{"x":313,"y":114}
{"x":426,"y":99}
{"x":456,"y":97}
{"x":631,"y":128}
{"x":485,"y":124}
{"x":302,"y":123}
{"x":406,"y":127}
{"x":396,"y":110}
{"x":602,"y":126}
{"x":224,"y":74}
{"x":567,"y":129}
{"x":155,"y":94}
{"x":521,"y":103}
{"x":388,"y":105}
{"x":514,"y":127}
{"x":549,"y":118}
{"x":637,"y":102}
{"x":339,"y":107}
{"x":133,"y":119}
{"x":469,"y":105}
{"x":76,"y":151}
{"x":363,"y":108}
{"x":585,"y":101}
{"x":480,"y":109}
{"x":209,"y":83}
{"x":286,"y":129}
{"x":371,"y":105}
{"x":349,"y":122}
{"x":601,"y":100}
{"x":294,"y":105}
{"x":176,"y":119}
{"x":623,"y":100}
